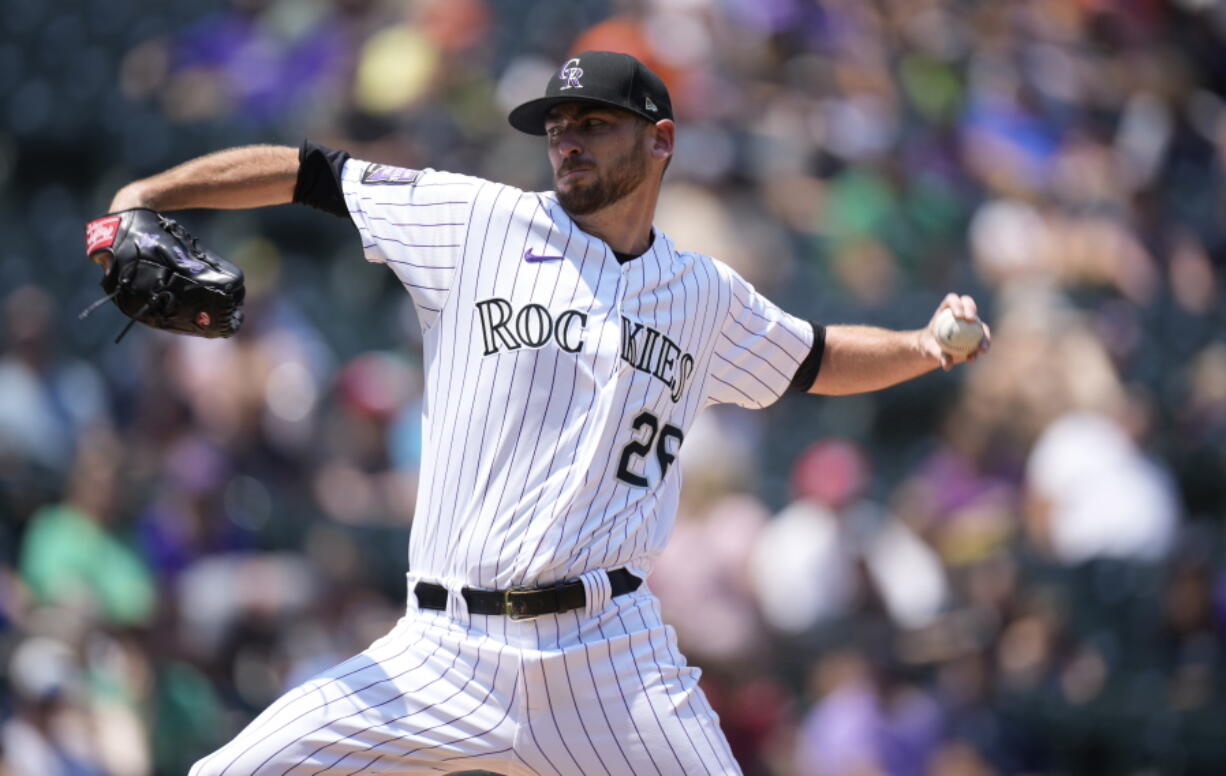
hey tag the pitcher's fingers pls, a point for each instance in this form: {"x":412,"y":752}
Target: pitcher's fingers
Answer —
{"x":969,"y":308}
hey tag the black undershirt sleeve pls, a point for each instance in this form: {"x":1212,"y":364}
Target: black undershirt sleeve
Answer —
{"x":319,"y":179}
{"x":806,"y":373}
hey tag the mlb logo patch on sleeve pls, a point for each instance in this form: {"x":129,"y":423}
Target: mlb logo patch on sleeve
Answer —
{"x":385,"y":174}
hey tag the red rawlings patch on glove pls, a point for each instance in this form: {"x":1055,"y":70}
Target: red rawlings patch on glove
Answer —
{"x":100,"y":233}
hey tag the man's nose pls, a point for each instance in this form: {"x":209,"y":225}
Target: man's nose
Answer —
{"x":567,"y":143}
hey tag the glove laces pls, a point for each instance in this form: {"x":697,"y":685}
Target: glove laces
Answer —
{"x":176,"y":230}
{"x":123,"y":281}
{"x":85,"y":313}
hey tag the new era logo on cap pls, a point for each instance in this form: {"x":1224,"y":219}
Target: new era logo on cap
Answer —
{"x":604,"y":77}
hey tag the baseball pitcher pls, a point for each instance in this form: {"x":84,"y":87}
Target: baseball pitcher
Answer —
{"x":568,"y":347}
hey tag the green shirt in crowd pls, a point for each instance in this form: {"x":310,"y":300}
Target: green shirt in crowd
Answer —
{"x":67,"y":557}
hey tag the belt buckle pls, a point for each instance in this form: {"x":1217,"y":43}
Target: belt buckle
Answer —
{"x":508,"y":602}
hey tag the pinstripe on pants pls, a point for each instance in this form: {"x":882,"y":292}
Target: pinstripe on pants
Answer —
{"x":559,"y":695}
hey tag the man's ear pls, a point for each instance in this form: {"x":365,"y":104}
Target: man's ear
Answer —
{"x":663,"y":138}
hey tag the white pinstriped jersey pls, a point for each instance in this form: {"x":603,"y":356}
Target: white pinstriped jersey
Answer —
{"x":559,"y":382}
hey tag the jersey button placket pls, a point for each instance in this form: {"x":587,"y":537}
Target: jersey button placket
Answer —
{"x":618,"y":314}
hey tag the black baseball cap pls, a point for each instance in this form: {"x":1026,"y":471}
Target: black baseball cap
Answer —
{"x":604,"y":77}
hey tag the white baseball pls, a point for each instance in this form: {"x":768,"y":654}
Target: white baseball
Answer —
{"x":956,"y":336}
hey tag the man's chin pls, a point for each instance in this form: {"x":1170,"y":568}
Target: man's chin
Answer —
{"x":572,"y":187}
{"x":580,"y":200}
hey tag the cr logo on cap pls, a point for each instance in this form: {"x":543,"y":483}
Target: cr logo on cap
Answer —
{"x":571,"y":73}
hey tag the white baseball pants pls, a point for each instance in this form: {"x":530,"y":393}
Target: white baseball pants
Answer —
{"x":560,"y":695}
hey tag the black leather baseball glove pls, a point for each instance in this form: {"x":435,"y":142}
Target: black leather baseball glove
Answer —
{"x":159,"y":275}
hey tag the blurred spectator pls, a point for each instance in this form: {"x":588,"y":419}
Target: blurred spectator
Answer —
{"x":830,"y":552}
{"x":1094,"y":495}
{"x":186,"y":520}
{"x":48,"y":400}
{"x":703,"y":582}
{"x":857,"y":728}
{"x":47,"y":735}
{"x":71,"y":555}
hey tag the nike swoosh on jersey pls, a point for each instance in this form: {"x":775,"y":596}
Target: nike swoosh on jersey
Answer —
{"x":530,"y":256}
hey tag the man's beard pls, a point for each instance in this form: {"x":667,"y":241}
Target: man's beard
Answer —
{"x":625,"y":174}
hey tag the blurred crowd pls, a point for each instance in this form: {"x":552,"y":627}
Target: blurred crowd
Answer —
{"x":1014,"y":568}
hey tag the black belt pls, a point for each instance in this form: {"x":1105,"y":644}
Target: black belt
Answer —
{"x":523,"y":603}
